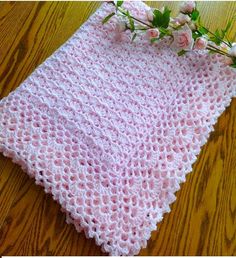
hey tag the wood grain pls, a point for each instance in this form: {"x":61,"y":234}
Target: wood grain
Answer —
{"x":203,"y":218}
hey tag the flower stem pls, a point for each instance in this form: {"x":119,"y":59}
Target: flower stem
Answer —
{"x":218,"y":50}
{"x":143,"y":26}
{"x":124,"y":13}
{"x":218,"y":37}
{"x":228,"y":41}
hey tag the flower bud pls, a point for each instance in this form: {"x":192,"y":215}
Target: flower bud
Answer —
{"x":200,"y":43}
{"x":183,"y":18}
{"x":187,"y":7}
{"x":153,"y":33}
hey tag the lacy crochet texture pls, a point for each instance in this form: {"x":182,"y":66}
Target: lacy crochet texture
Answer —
{"x":111,"y":128}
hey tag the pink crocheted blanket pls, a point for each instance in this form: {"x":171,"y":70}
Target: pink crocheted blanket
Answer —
{"x":111,"y":128}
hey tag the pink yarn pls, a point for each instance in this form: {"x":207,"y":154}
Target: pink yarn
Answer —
{"x":111,"y":128}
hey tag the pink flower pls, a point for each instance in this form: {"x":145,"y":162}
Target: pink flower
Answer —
{"x":153,"y":33}
{"x":200,"y":43}
{"x":149,"y":14}
{"x":182,"y":18}
{"x":187,"y":7}
{"x":232,"y":51}
{"x":182,"y":39}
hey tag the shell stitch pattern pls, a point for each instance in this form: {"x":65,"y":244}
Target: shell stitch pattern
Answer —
{"x":110,"y":128}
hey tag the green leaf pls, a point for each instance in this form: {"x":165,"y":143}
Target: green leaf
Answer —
{"x":228,"y":26}
{"x":157,"y":19}
{"x":217,"y":33}
{"x":182,"y":52}
{"x":162,"y":35}
{"x":153,"y":40}
{"x":231,"y":23}
{"x":196,"y":35}
{"x":163,"y":30}
{"x":161,"y":19}
{"x":203,"y":30}
{"x":134,"y":36}
{"x":131,"y":22}
{"x":194,"y":15}
{"x":119,"y":3}
{"x":228,"y":41}
{"x":222,"y":34}
{"x":107,"y":18}
{"x":233,"y":65}
{"x":166,"y":17}
{"x":217,"y":38}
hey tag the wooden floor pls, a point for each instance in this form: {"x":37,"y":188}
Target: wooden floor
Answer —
{"x":202,"y":220}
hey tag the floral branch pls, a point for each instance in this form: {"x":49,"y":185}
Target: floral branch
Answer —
{"x":185,"y":30}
